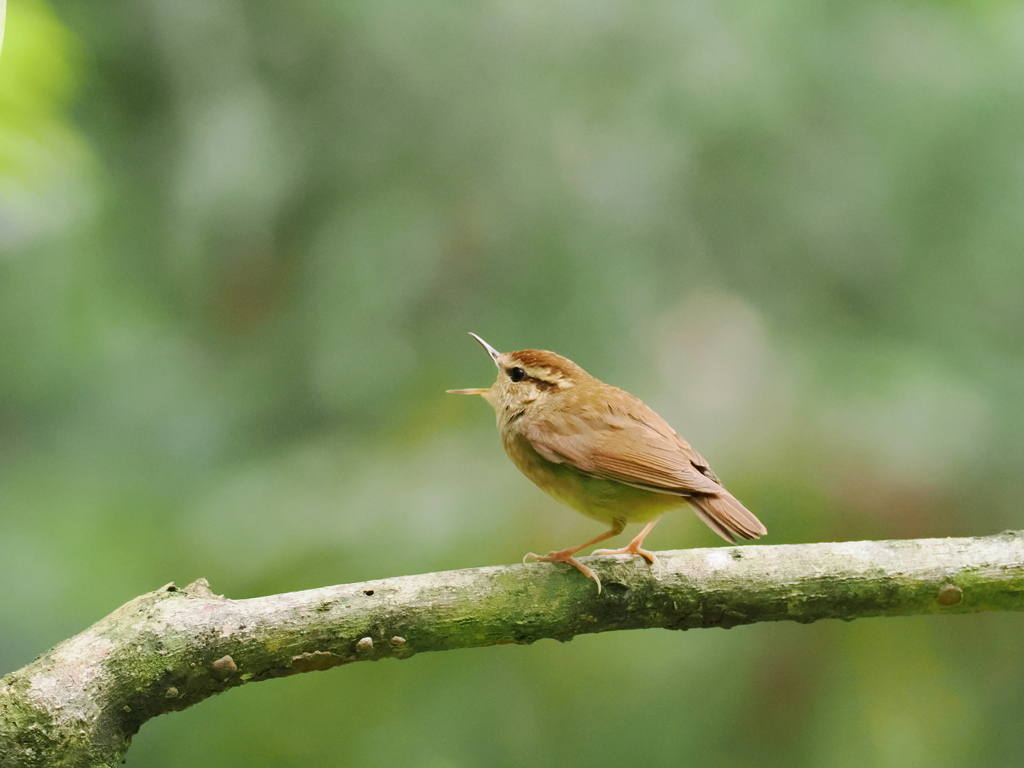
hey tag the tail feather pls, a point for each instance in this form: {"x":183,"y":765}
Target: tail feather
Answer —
{"x":724,"y":514}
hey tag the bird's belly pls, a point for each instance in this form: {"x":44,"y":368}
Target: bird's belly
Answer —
{"x":604,"y":500}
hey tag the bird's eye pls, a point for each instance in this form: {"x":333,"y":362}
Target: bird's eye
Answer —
{"x":516,"y":374}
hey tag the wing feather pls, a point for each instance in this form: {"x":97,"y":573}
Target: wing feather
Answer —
{"x":631,"y":446}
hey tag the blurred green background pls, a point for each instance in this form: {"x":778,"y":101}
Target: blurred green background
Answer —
{"x":241,"y":245}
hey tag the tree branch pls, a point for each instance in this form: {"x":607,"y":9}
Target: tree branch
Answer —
{"x":80,"y":703}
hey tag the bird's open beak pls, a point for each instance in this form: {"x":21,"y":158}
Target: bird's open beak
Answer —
{"x":494,"y":356}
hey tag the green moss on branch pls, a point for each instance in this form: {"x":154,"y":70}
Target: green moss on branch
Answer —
{"x":80,"y":703}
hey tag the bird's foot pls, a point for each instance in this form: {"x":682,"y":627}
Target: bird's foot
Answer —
{"x":629,"y":549}
{"x":565,"y":556}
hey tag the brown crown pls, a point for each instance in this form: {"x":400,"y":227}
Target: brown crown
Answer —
{"x":541,"y":358}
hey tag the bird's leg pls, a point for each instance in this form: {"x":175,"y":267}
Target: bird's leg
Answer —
{"x":566,"y":555}
{"x":634,"y":548}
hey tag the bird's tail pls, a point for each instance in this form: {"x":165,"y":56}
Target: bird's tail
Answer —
{"x":724,"y":514}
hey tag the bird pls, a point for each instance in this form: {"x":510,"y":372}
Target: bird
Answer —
{"x":601,"y":451}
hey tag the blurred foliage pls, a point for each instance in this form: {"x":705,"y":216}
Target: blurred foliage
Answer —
{"x":241,"y":245}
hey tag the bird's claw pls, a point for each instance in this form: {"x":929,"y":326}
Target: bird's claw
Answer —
{"x":564,"y":556}
{"x":650,"y":557}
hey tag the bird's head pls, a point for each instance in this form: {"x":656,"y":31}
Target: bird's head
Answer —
{"x":526,"y":379}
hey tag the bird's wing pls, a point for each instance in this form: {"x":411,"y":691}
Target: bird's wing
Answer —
{"x":629,"y":444}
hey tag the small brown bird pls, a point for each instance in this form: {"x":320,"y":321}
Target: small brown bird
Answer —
{"x":601,"y":451}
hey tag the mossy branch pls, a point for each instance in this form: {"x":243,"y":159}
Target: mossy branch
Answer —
{"x":80,"y":703}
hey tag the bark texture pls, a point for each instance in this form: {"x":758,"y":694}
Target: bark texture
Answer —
{"x":80,"y":703}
